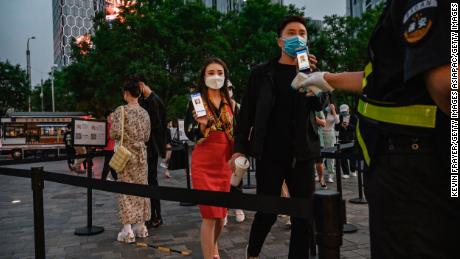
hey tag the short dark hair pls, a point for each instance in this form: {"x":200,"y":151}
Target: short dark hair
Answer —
{"x":138,"y":78}
{"x":287,"y":20}
{"x":132,"y":87}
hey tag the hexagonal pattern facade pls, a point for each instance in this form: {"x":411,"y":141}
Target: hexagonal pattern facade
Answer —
{"x":71,"y":19}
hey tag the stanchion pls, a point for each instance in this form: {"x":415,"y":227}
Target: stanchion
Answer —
{"x":89,"y":230}
{"x":187,"y":174}
{"x":328,"y":222}
{"x":252,"y":168}
{"x":347,"y":228}
{"x":39,"y":222}
{"x":360,"y":199}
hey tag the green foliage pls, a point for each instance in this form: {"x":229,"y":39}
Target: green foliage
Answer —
{"x":64,"y":99}
{"x":167,"y":41}
{"x":14,"y":88}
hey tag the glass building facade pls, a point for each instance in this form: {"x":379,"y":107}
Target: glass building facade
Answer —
{"x":71,"y":19}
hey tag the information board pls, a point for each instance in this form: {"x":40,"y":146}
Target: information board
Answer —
{"x":89,"y":132}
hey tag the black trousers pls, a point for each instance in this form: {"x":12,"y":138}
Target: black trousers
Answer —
{"x":107,"y":168}
{"x":70,"y":152}
{"x":300,"y":181}
{"x":344,"y":162}
{"x":411,"y":214}
{"x":155,"y":204}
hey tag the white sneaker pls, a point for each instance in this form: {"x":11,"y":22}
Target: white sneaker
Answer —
{"x":330,"y":179}
{"x":249,"y":257}
{"x":163,"y":165}
{"x":126,"y":237}
{"x":345,"y":176}
{"x":140,"y":230}
{"x":354,"y":174}
{"x":239,"y":214}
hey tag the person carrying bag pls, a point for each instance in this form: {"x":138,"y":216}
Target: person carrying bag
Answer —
{"x":122,"y":155}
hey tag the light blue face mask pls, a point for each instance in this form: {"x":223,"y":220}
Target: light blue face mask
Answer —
{"x":293,"y":43}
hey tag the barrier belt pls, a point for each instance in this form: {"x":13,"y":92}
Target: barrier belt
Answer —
{"x":297,"y":207}
{"x":54,"y":159}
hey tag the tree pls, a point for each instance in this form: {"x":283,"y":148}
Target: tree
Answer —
{"x":342,"y":45}
{"x":64,"y":98}
{"x":167,"y":42}
{"x":14,"y":88}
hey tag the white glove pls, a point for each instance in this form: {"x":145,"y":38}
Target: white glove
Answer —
{"x":313,"y":82}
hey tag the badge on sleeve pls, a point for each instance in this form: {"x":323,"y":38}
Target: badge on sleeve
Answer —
{"x":418,"y":19}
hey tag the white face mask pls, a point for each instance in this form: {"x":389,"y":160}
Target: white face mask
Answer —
{"x":215,"y":82}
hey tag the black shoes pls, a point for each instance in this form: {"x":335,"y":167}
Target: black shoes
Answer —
{"x":154,"y":223}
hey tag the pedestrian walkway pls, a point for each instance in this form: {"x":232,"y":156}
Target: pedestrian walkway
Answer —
{"x":65,"y":210}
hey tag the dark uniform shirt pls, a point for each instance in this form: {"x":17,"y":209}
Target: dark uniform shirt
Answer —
{"x":410,"y":39}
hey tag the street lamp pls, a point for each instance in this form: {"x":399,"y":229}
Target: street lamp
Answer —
{"x":52,"y":84}
{"x":29,"y":75}
{"x":41,"y":92}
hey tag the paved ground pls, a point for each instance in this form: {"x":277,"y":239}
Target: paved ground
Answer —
{"x":65,"y":210}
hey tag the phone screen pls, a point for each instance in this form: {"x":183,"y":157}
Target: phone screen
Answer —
{"x":198,"y":105}
{"x":302,"y":60}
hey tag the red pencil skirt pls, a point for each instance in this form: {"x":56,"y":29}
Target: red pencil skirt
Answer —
{"x":210,"y":170}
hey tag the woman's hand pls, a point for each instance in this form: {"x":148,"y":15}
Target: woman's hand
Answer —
{"x":202,"y":121}
{"x":231,"y":162}
{"x":332,"y":107}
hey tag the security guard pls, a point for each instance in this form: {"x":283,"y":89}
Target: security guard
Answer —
{"x":403,"y":131}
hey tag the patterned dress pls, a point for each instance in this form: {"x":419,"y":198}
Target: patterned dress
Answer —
{"x":133,"y":209}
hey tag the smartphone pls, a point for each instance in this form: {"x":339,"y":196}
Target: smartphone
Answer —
{"x":198,"y":105}
{"x":302,"y":60}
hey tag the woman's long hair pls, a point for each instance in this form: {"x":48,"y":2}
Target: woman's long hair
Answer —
{"x":203,"y":89}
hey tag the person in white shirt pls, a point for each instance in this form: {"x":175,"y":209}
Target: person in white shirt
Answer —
{"x":332,"y":118}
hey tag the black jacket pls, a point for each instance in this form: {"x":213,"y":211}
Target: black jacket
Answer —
{"x":256,"y":108}
{"x":157,"y":113}
{"x":346,"y":135}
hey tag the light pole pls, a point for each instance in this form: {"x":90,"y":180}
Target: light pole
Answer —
{"x":29,"y":75}
{"x":52,"y":85}
{"x":41,"y":93}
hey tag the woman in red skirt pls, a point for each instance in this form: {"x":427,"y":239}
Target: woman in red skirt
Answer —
{"x":213,"y":134}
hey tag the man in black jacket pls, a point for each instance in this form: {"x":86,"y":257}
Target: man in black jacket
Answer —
{"x":156,"y":144}
{"x":277,"y":125}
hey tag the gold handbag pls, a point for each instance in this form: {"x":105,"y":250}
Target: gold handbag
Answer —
{"x":122,"y":155}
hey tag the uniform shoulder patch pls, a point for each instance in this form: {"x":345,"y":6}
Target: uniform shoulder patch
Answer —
{"x":418,"y":19}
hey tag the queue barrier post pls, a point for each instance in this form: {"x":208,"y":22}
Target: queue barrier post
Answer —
{"x":360,"y":199}
{"x":347,"y":228}
{"x":89,"y":230}
{"x":328,"y":223}
{"x":187,"y":173}
{"x":252,"y":168}
{"x":39,"y":222}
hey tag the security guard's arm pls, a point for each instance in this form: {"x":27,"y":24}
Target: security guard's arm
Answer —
{"x":325,"y":81}
{"x":347,"y":81}
{"x":438,"y":86}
